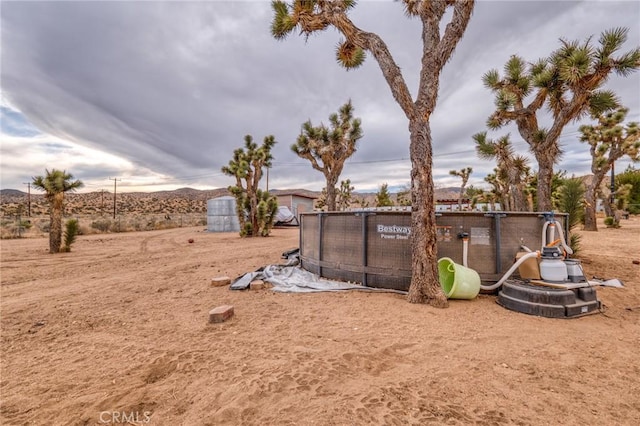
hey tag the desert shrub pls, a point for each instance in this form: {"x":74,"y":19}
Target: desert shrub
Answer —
{"x":116,"y":226}
{"x":611,"y":222}
{"x":85,"y":230}
{"x":26,"y":224}
{"x":102,"y":225}
{"x":7,"y":234}
{"x":569,"y":198}
{"x":575,"y":243}
{"x":135,"y":224}
{"x":631,"y":176}
{"x":72,"y":228}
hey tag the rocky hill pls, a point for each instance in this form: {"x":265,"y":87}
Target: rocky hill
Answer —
{"x":180,"y":201}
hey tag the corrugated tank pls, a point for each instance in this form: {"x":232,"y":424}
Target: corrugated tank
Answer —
{"x":221,"y":215}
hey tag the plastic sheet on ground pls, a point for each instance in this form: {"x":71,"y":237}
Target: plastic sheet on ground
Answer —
{"x":614,"y":282}
{"x":291,"y":278}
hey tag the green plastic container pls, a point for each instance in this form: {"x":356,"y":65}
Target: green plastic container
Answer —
{"x":457,"y":281}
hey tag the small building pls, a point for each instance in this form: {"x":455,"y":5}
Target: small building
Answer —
{"x":451,"y":204}
{"x":298,"y":201}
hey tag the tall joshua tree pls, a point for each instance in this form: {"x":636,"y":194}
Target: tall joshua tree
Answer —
{"x":464,"y":175}
{"x":310,"y":16}
{"x":511,"y":166}
{"x":55,"y":183}
{"x":256,"y":208}
{"x":609,"y":141}
{"x":328,"y":149}
{"x":569,"y":83}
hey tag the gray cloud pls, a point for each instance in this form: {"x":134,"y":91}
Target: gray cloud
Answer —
{"x":173,"y":87}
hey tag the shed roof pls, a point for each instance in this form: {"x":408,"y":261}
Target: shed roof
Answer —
{"x":303,"y":193}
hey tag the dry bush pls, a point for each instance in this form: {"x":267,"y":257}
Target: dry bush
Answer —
{"x":100,"y":224}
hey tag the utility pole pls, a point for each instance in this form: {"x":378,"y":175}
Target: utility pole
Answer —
{"x":613,"y":186}
{"x":115,"y":180}
{"x":28,"y":197}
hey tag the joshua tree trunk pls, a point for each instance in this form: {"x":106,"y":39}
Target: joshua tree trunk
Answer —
{"x":253,"y":202}
{"x":591,"y":199}
{"x":424,"y":281}
{"x":331,"y":192}
{"x":518,"y":201}
{"x":590,"y":223}
{"x":545,"y":176}
{"x":55,"y":233}
{"x":609,"y":209}
{"x":505,"y":202}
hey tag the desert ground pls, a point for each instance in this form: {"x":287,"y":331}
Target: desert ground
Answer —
{"x":119,"y":327}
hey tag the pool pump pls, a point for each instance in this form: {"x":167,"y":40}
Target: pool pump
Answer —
{"x":550,"y":285}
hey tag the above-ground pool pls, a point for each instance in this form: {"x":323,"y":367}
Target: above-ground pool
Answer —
{"x":373,"y":247}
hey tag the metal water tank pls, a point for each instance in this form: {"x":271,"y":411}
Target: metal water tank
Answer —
{"x":221,"y":215}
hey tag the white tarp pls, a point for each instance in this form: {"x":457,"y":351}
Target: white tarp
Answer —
{"x":291,"y":278}
{"x":284,"y":215}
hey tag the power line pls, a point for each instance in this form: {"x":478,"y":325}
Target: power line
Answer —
{"x":114,"y":195}
{"x":28,"y":197}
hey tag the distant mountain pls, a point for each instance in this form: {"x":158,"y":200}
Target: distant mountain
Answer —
{"x":12,"y":193}
{"x":183,"y":200}
{"x":179,"y":201}
{"x":186,"y":193}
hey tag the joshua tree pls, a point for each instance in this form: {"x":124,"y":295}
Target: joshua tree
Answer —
{"x":55,"y":183}
{"x":499,"y":189}
{"x":383,"y":198}
{"x":362,"y":202}
{"x":513,"y":167}
{"x":569,"y":83}
{"x":256,"y":208}
{"x":404,"y":196}
{"x":631,"y":176}
{"x":609,"y":141}
{"x":328,"y":149}
{"x":345,"y":195}
{"x":437,"y":48}
{"x":464,"y":174}
{"x":321,"y":201}
{"x":474,"y":195}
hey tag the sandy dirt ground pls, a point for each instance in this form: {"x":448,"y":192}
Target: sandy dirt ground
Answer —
{"x":119,"y":327}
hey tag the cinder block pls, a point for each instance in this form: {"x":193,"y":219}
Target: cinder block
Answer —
{"x":257,"y":285}
{"x":220,"y":281}
{"x":220,"y":314}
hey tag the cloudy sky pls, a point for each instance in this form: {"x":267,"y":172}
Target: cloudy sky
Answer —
{"x":159,"y":94}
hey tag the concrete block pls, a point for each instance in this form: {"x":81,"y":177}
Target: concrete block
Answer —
{"x":220,"y":314}
{"x":257,"y":285}
{"x":220,"y":281}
